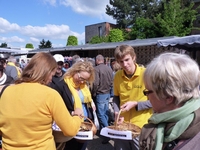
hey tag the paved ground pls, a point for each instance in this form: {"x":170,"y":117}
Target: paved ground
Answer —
{"x":96,"y":144}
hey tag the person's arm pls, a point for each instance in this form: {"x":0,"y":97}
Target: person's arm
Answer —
{"x":143,"y":105}
{"x":69,"y":125}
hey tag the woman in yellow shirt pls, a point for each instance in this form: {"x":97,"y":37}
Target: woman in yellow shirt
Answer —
{"x":29,"y":107}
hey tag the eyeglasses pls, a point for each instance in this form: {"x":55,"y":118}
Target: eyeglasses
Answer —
{"x":81,"y":78}
{"x":147,"y":92}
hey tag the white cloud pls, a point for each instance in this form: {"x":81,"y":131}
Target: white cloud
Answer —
{"x":95,"y":8}
{"x":12,"y":32}
{"x":89,"y":7}
{"x":6,"y":26}
{"x":50,"y":32}
{"x":51,"y":2}
{"x":34,"y":34}
{"x":3,"y":39}
{"x":11,"y":39}
{"x":35,"y":40}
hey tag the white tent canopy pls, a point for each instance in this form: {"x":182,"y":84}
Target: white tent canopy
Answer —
{"x":13,"y":51}
{"x":187,"y":42}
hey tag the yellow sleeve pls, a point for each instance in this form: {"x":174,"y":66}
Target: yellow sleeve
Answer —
{"x":69,"y":125}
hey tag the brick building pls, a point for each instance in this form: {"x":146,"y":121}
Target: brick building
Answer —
{"x":99,"y":29}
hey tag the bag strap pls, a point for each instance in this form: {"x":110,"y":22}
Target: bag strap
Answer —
{"x":3,"y":89}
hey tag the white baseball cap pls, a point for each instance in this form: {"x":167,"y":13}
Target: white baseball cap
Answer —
{"x":58,"y":57}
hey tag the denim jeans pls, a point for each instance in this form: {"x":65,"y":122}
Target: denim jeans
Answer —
{"x":102,"y":106}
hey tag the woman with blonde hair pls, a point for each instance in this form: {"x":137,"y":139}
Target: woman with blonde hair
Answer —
{"x":76,"y":94}
{"x":29,"y":107}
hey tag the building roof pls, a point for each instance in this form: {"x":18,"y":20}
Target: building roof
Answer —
{"x":102,"y":46}
{"x":99,"y":23}
{"x":13,"y":51}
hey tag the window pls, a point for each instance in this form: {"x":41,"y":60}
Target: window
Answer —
{"x":100,"y":31}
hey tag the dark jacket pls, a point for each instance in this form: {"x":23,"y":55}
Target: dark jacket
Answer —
{"x":65,"y":93}
{"x":103,"y":80}
{"x":56,"y":79}
{"x":192,"y":144}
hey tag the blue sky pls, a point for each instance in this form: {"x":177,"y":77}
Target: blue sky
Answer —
{"x":30,"y":21}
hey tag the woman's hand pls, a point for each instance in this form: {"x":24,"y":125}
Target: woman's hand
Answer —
{"x":77,"y":112}
{"x":128,"y":105}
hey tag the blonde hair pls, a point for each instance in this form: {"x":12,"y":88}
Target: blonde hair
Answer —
{"x":38,"y":69}
{"x":173,"y":75}
{"x":82,"y":66}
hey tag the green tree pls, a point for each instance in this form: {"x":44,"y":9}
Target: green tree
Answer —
{"x":153,"y":18}
{"x":4,"y":45}
{"x":176,"y":19}
{"x":142,"y":29}
{"x":105,"y":39}
{"x":72,"y":40}
{"x":97,"y":39}
{"x":45,"y":44}
{"x":42,"y":44}
{"x":29,"y":45}
{"x":126,"y":11}
{"x":116,"y":35}
{"x":48,"y":44}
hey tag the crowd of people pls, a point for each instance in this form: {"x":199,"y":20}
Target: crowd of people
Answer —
{"x":162,"y":99}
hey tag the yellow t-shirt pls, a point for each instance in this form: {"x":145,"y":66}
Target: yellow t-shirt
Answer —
{"x":26,"y":116}
{"x":131,"y":89}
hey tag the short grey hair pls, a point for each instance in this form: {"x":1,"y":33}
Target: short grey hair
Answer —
{"x":172,"y":74}
{"x":100,"y":57}
{"x":75,"y":58}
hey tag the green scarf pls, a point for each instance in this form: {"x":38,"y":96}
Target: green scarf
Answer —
{"x":183,"y":116}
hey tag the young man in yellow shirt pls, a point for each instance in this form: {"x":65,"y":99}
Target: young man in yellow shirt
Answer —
{"x":128,"y":94}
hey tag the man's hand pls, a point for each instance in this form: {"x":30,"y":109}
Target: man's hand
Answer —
{"x":128,"y":105}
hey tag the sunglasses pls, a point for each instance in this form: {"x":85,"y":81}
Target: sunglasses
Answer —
{"x":147,"y":92}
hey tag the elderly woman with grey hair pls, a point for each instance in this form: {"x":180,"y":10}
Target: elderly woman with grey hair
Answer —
{"x":172,"y":86}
